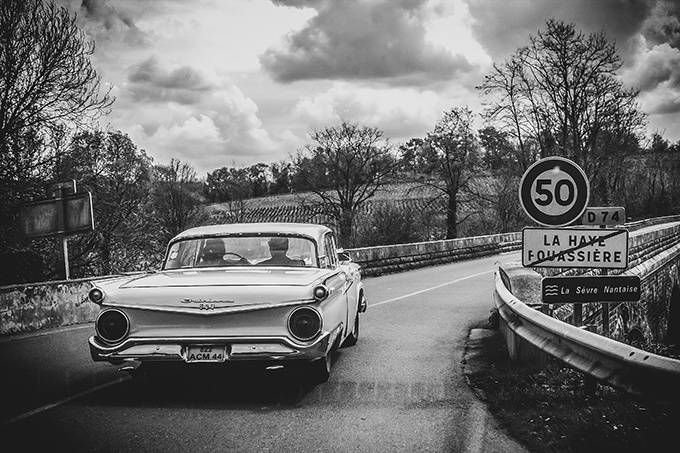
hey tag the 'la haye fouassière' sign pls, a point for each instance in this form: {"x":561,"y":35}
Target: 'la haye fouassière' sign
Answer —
{"x":575,"y":247}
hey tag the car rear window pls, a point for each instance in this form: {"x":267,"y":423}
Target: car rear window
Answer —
{"x":286,"y":251}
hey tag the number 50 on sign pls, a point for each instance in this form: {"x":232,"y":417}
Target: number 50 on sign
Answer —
{"x":554,"y":191}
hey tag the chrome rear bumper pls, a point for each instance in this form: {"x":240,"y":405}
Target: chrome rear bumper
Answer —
{"x":237,"y":348}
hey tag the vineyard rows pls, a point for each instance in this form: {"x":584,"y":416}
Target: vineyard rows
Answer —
{"x":390,"y":192}
{"x":302,"y":211}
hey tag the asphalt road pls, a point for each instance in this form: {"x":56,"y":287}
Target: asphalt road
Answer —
{"x":400,"y":388}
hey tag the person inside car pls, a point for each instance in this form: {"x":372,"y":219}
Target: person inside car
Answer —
{"x":278,"y":247}
{"x":212,"y":253}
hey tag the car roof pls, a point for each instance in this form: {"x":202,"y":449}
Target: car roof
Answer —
{"x":311,"y":230}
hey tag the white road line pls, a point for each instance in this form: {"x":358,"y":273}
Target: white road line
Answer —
{"x":42,"y":333}
{"x":49,"y":406}
{"x":430,"y":289}
{"x":476,"y":420}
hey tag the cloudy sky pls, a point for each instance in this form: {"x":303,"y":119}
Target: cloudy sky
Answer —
{"x":234,"y":82}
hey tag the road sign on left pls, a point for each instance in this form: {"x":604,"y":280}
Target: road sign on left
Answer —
{"x":70,"y":214}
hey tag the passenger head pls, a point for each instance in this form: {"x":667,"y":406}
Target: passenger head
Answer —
{"x":278,"y":245}
{"x":213,"y":249}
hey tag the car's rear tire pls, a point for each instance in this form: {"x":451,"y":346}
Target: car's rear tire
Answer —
{"x":353,"y":337}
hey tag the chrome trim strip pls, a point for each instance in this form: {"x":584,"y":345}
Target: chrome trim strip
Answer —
{"x":256,"y":349}
{"x":215,"y":311}
{"x":349,"y":286}
{"x":197,"y":339}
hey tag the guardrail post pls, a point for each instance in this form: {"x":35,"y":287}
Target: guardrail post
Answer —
{"x":520,"y":350}
{"x":589,"y":382}
{"x":577,"y":316}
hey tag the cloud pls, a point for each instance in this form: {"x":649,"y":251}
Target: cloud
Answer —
{"x":202,"y":142}
{"x":656,"y":73}
{"x":362,"y":39}
{"x":655,"y":66}
{"x":399,"y":112}
{"x":148,"y":81}
{"x":297,"y":3}
{"x":663,"y":24}
{"x":503,"y":27}
{"x":667,"y":106}
{"x":106,"y":23}
{"x":185,"y":113}
{"x":662,"y":101}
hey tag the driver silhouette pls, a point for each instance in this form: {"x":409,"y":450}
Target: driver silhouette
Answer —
{"x":278,"y":247}
{"x":212,"y":253}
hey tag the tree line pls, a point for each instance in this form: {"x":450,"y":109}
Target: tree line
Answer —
{"x":558,"y":95}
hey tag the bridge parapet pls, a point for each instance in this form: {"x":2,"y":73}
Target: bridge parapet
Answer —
{"x":395,"y":258}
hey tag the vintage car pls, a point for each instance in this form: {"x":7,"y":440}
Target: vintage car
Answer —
{"x":277,"y":293}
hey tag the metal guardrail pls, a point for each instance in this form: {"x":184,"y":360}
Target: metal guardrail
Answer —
{"x":614,"y":363}
{"x":650,"y":222}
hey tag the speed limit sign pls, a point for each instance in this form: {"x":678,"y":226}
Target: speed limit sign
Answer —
{"x":554,"y":191}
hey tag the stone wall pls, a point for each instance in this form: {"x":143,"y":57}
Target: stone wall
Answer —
{"x":395,"y":258}
{"x":401,"y":257}
{"x":25,"y":308}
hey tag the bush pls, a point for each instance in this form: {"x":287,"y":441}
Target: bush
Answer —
{"x":395,"y":223}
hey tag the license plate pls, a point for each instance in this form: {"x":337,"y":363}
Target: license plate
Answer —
{"x":206,"y":353}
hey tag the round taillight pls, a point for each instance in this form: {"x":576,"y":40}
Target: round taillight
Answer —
{"x":96,"y":295}
{"x":112,"y":325}
{"x":304,"y":323}
{"x":320,"y":293}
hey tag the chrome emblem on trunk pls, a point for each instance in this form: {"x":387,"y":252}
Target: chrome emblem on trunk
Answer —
{"x":206,"y":301}
{"x":206,"y":304}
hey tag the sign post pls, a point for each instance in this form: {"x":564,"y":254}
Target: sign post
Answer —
{"x":58,"y":191}
{"x":604,"y":216}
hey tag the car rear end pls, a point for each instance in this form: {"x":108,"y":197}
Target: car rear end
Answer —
{"x":289,"y":319}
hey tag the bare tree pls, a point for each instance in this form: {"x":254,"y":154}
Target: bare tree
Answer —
{"x":47,"y":87}
{"x":344,"y":168}
{"x":46,"y":77}
{"x":562,"y":94}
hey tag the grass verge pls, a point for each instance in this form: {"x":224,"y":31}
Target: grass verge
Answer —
{"x":552,"y":410}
